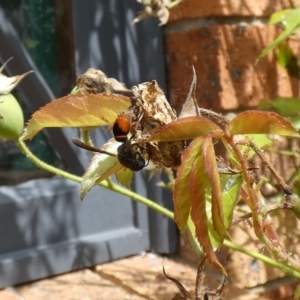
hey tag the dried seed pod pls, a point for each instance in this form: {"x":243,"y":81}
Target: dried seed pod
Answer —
{"x":151,"y":110}
{"x":95,"y":82}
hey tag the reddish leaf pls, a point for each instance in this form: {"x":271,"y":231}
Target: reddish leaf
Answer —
{"x":199,"y":184}
{"x":258,"y":122}
{"x":184,"y":129}
{"x":181,"y":195}
{"x":211,"y":171}
{"x":79,"y":110}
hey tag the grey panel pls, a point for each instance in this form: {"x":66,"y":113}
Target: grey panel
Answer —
{"x":45,"y":231}
{"x":35,"y":90}
{"x":106,"y":40}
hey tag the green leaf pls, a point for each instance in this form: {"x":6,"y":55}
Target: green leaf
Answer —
{"x":181,"y":195}
{"x":231,"y":186}
{"x":100,"y":168}
{"x":124,"y":176}
{"x":191,"y":233}
{"x":288,"y":60}
{"x":279,"y":16}
{"x":77,"y":110}
{"x":291,"y":21}
{"x":230,"y":195}
{"x":283,"y":54}
{"x":285,"y":106}
{"x":258,"y":122}
{"x":184,"y":129}
{"x":297,"y":293}
{"x":296,"y":122}
{"x":262,"y":141}
{"x":75,"y":90}
{"x":296,"y":211}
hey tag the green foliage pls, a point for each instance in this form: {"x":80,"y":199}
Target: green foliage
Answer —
{"x":100,"y":168}
{"x":288,"y":60}
{"x":284,"y":106}
{"x":204,"y":195}
{"x":290,"y":19}
{"x":297,"y":292}
{"x":199,"y":191}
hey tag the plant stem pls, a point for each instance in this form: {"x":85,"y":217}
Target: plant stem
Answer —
{"x":167,"y":213}
{"x":39,"y":163}
{"x":173,"y":4}
{"x":107,"y":184}
{"x":85,"y":134}
{"x":294,"y":175}
{"x":262,"y":258}
{"x":284,"y":152}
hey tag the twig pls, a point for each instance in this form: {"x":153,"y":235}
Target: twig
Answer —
{"x":279,"y":179}
{"x":214,"y":116}
{"x":199,"y":279}
{"x":180,"y":287}
{"x":284,"y":205}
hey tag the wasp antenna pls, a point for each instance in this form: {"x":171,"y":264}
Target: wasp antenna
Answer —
{"x":90,"y":148}
{"x":84,"y":146}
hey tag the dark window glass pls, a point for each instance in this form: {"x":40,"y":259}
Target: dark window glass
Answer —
{"x":34,"y":21}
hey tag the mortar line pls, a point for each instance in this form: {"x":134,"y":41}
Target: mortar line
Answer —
{"x":186,"y":25}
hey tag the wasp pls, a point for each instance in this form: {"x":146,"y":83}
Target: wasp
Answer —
{"x":127,"y":153}
{"x":121,"y":128}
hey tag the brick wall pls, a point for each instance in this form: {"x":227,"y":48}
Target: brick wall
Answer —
{"x":222,"y":39}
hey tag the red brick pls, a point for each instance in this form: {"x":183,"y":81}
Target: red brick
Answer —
{"x":224,"y":58}
{"x":190,"y":9}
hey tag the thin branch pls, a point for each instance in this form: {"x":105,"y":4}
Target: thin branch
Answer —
{"x":279,"y":179}
{"x":214,"y":116}
{"x":173,"y":4}
{"x":152,"y":205}
{"x":179,"y":285}
{"x":263,"y":258}
{"x":109,"y":185}
{"x":285,"y":205}
{"x":199,"y":279}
